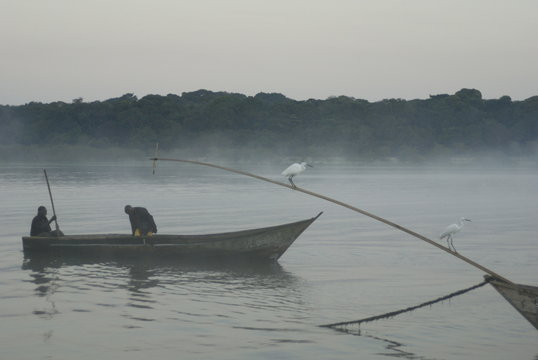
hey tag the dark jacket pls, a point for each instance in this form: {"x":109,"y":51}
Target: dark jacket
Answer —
{"x":40,"y":224}
{"x":141,"y":219}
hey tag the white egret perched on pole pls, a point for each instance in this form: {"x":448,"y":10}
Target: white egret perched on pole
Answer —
{"x":451,"y":230}
{"x":293,"y":170}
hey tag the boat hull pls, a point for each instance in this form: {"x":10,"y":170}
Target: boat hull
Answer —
{"x":524,"y":298}
{"x":268,"y":243}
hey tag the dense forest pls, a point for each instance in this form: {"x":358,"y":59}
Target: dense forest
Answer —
{"x":205,"y":122}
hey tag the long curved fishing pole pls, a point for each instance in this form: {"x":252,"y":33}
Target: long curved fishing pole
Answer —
{"x":337,"y":202}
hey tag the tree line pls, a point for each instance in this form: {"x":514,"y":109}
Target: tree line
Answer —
{"x":461,"y":123}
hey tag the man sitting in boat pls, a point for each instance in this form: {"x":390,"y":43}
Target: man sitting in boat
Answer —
{"x":40,"y":223}
{"x":142,"y":222}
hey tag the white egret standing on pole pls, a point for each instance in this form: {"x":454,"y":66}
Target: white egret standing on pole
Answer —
{"x":293,"y":170}
{"x":451,"y":230}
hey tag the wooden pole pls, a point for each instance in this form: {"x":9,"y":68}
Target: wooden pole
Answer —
{"x":52,"y":202}
{"x":156,"y":155}
{"x":360,"y":211}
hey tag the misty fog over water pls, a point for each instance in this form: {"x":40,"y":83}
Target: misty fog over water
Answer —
{"x":344,"y":267}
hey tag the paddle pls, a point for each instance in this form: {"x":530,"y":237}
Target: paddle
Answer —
{"x":52,"y":202}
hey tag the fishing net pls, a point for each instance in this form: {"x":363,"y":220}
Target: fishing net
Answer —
{"x":402,"y":311}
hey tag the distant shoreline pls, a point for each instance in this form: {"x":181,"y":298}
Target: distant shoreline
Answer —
{"x":220,"y":125}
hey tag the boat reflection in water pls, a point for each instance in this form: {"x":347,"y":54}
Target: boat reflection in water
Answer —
{"x":237,"y":295}
{"x":160,"y":286}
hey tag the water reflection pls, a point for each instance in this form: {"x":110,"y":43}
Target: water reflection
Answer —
{"x":142,"y":268}
{"x":151,"y":283}
{"x":395,"y":348}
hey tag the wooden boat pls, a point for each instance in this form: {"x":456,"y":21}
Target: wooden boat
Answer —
{"x":524,"y":298}
{"x":265,"y":243}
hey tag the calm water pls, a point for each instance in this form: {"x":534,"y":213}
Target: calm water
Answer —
{"x":344,"y":267}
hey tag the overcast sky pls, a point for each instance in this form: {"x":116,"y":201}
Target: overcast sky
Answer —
{"x":59,"y":50}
